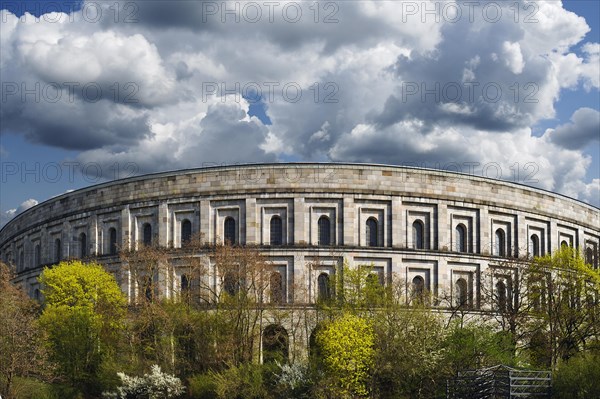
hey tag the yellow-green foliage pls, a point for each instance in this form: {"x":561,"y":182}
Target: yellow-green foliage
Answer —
{"x":568,"y":260}
{"x":361,"y":287}
{"x":81,"y":285}
{"x":347,"y":346}
{"x":85,"y":290}
{"x":84,"y":310}
{"x":571,"y":312}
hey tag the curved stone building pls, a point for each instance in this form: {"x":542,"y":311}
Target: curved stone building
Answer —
{"x":434,"y":230}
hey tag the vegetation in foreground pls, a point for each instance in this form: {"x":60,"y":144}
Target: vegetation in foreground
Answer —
{"x":370,"y":341}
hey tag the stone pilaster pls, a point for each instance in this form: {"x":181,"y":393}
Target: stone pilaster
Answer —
{"x":580,"y":241}
{"x":442,"y":225}
{"x":205,"y":221}
{"x":127,"y":235}
{"x":397,"y":223}
{"x":94,"y":236}
{"x":300,"y":232}
{"x":251,"y":224}
{"x":553,"y":237}
{"x":66,"y":240}
{"x":45,"y":247}
{"x":302,"y":276}
{"x":483,"y":231}
{"x":27,"y":253}
{"x":164,"y":236}
{"x":521,"y":240}
{"x":349,"y":222}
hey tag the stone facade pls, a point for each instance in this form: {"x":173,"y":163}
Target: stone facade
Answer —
{"x":408,"y":223}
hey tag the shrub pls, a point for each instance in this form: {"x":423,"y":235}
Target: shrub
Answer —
{"x":293,"y":380}
{"x":578,"y":377}
{"x":156,"y":385}
{"x":202,"y":386}
{"x":243,"y":382}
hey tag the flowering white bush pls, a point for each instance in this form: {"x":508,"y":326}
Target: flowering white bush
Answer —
{"x":156,"y":385}
{"x":293,"y":376}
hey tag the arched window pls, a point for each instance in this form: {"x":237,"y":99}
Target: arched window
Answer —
{"x":229,"y":228}
{"x":230,"y":284}
{"x":418,"y":235}
{"x":38,"y":255}
{"x":499,"y":243}
{"x":186,"y":232}
{"x":375,"y":291}
{"x":147,"y":234}
{"x":276,"y":231}
{"x":461,"y":238}
{"x":276,"y":285}
{"x":501,"y":295}
{"x":418,"y":289}
{"x":315,"y":350}
{"x":149,"y":289}
{"x":324,"y":288}
{"x":82,"y":245}
{"x":564,"y":244}
{"x":589,"y":256}
{"x":275,"y":344}
{"x":57,"y":250}
{"x":462,"y":293}
{"x":21,"y":260}
{"x":324,"y":231}
{"x":537,"y":295}
{"x":374,"y":280}
{"x":185,"y":283}
{"x":540,"y":349}
{"x":112,"y":243}
{"x":371,"y":232}
{"x":534,"y":245}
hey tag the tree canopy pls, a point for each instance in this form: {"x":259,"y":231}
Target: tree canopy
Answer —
{"x":22,"y":353}
{"x":347,"y":345}
{"x":84,"y":310}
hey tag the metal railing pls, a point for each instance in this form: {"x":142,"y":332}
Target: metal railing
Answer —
{"x":500,"y":382}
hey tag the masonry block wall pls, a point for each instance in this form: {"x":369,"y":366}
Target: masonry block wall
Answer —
{"x":409,"y":224}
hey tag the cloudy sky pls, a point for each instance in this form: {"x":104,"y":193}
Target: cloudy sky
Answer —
{"x":98,"y":90}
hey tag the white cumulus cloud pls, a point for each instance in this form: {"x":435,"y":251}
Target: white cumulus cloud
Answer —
{"x":414,"y":87}
{"x":11,"y":213}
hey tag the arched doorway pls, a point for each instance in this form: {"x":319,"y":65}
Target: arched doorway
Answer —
{"x":275,"y":344}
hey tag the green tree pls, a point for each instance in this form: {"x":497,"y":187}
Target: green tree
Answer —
{"x":578,"y":377}
{"x":83,"y":314}
{"x":244,"y":381}
{"x":196,"y":333}
{"x":570,"y":310}
{"x":243,"y":287}
{"x":347,"y":347}
{"x":476,"y":345}
{"x":409,"y":352}
{"x":22,"y":351}
{"x":149,"y":327}
{"x":360,"y":288}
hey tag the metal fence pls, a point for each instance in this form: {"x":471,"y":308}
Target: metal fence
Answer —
{"x":500,"y":382}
